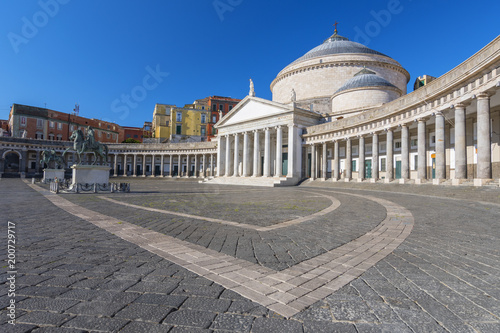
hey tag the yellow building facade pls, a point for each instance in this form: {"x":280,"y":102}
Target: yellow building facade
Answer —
{"x":188,"y":123}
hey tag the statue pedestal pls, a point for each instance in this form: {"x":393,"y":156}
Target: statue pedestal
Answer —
{"x":51,"y":174}
{"x":90,"y":174}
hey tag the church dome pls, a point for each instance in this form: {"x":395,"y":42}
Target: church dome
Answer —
{"x":365,"y":78}
{"x":337,"y":44}
{"x":320,"y":73}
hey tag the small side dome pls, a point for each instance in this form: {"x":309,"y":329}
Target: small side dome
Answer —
{"x":365,"y":78}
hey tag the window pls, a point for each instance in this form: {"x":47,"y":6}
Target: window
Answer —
{"x":353,"y":164}
{"x":383,"y":147}
{"x":221,"y":107}
{"x":59,"y":126}
{"x":214,"y":119}
{"x":52,"y":124}
{"x":72,"y":128}
{"x":214,"y":107}
{"x":355,"y":150}
{"x":135,"y":136}
{"x":107,"y":135}
{"x":230,"y":107}
{"x":432,"y":139}
{"x":368,"y":148}
{"x":203,"y":108}
{"x":59,"y":137}
{"x":39,"y":135}
{"x":51,"y":136}
{"x":382,"y":164}
{"x":397,"y":145}
{"x":23,"y":121}
{"x":166,"y":123}
{"x":203,"y":118}
{"x":203,"y":131}
{"x":178,"y":129}
{"x":415,"y":162}
{"x":179,"y":116}
{"x":413,"y":142}
{"x":342,"y":151}
{"x":39,"y":123}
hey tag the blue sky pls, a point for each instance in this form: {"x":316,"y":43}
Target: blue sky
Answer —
{"x":117,"y":59}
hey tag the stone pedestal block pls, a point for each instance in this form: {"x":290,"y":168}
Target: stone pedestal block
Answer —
{"x":90,"y":174}
{"x":50,"y":174}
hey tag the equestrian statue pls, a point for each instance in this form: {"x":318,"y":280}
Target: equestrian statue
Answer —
{"x":82,"y":144}
{"x":49,"y":156}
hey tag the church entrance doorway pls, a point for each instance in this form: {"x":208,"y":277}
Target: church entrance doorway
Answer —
{"x":284,"y":167}
{"x":368,"y":169}
{"x":398,"y":169}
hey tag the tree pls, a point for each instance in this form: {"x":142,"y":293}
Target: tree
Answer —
{"x":130,"y":140}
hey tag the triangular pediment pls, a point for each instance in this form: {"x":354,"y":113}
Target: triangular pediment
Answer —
{"x":253,"y":108}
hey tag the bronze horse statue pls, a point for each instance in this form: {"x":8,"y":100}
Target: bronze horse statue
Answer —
{"x":82,"y":145}
{"x":49,"y":156}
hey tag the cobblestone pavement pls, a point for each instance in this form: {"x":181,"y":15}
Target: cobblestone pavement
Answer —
{"x":74,"y":276}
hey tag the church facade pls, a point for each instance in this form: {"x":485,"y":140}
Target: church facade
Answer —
{"x":341,"y":112}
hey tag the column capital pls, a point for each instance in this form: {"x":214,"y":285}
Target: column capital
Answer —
{"x":438,"y":114}
{"x":422,"y":119}
{"x":484,"y":95}
{"x":388,"y":129}
{"x":461,"y":105}
{"x":277,"y":127}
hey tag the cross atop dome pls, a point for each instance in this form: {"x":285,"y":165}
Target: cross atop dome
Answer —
{"x":335,"y":25}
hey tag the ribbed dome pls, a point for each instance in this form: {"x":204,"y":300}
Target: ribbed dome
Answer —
{"x":365,"y":78}
{"x":337,"y":44}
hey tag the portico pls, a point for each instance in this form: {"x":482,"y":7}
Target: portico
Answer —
{"x":259,"y":143}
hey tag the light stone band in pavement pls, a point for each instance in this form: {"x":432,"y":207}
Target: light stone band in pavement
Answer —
{"x":335,"y":204}
{"x":286,"y":292}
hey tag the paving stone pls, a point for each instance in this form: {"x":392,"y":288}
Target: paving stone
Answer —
{"x":52,"y":305}
{"x":191,"y":318}
{"x":232,"y":323}
{"x":96,"y":308}
{"x":136,"y":326}
{"x":96,"y":324}
{"x":165,"y":300}
{"x":58,"y":330}
{"x":43,"y":318}
{"x":206,"y":304}
{"x":328,"y":327}
{"x":265,"y":325}
{"x":144,"y":312}
{"x":17,"y":328}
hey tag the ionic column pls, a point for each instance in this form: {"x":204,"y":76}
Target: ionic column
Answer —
{"x":348,"y":159}
{"x":336,"y":161}
{"x":188,"y":165}
{"x":228,"y":156}
{"x":125,"y":165}
{"x":211,"y":165}
{"x":115,"y":171}
{"x":460,"y":143}
{"x":483,"y":137}
{"x":405,"y":152}
{"x":196,"y":166}
{"x":37,"y":162}
{"x":220,"y":152}
{"x":179,"y":166}
{"x":267,"y":153}
{"x":162,"y":160}
{"x":204,"y":165}
{"x":292,"y":150}
{"x":375,"y":156}
{"x":153,"y":165}
{"x":422,"y":152}
{"x":236,"y":155}
{"x":440,"y":147}
{"x":171,"y":165}
{"x":313,"y":161}
{"x":144,"y":165}
{"x":361,"y":155}
{"x":389,"y":163}
{"x":135,"y":166}
{"x":256,"y":153}
{"x":279,"y":151}
{"x":246,"y":155}
{"x":324,"y":167}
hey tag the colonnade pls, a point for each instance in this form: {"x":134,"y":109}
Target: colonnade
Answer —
{"x":180,"y":164}
{"x":471,"y":158}
{"x":266,"y":152}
